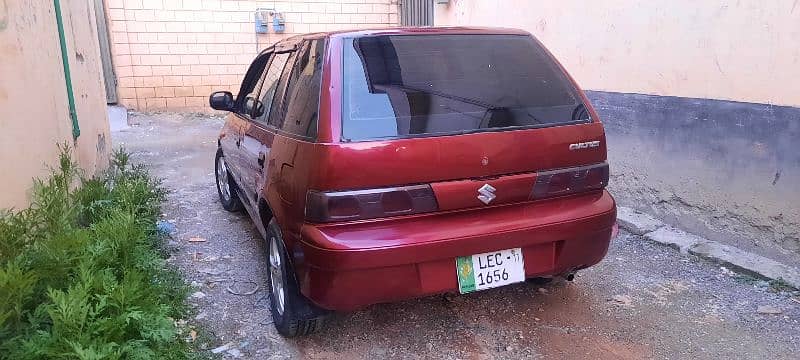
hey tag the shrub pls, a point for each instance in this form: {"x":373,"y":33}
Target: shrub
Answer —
{"x":81,"y":272}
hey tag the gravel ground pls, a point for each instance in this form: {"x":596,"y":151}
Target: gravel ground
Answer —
{"x":642,"y":301}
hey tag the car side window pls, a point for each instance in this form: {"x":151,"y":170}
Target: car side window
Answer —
{"x":276,"y":116}
{"x":301,"y":102}
{"x":248,"y":92}
{"x":270,"y":84}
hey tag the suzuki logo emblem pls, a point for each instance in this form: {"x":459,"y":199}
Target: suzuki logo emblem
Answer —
{"x":486,"y":193}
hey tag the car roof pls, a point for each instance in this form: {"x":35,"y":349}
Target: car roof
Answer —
{"x":463,"y":30}
{"x":425,"y":31}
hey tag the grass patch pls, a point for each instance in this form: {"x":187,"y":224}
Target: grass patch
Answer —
{"x":746,"y":279}
{"x":776,"y":285}
{"x":82,"y":275}
{"x":781,"y":285}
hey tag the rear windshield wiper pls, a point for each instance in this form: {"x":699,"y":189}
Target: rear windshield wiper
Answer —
{"x":448,"y":96}
{"x":505,"y":108}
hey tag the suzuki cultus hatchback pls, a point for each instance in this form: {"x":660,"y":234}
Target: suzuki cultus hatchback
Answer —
{"x":391,"y":164}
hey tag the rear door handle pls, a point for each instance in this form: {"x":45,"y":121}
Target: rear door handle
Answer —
{"x":261,"y":157}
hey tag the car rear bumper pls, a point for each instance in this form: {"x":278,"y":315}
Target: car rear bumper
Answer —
{"x":348,"y":266}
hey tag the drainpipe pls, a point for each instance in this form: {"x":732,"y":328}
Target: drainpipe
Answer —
{"x":73,"y":115}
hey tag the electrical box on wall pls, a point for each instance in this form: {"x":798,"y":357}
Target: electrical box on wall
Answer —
{"x":278,"y":24}
{"x":262,"y":21}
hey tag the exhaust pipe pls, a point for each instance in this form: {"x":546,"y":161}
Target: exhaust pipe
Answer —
{"x":570,"y":276}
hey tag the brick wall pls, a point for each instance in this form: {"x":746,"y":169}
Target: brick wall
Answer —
{"x":171,"y":54}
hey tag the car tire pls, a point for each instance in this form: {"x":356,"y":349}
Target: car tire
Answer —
{"x":226,"y":187}
{"x":292,"y":313}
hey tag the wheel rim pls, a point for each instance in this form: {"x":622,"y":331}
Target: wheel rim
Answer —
{"x":222,"y":179}
{"x":276,"y":274}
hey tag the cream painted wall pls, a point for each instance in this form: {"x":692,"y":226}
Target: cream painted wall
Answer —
{"x":745,"y":50}
{"x":34,"y":115}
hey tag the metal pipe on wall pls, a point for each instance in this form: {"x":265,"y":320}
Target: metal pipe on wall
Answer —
{"x":73,"y":115}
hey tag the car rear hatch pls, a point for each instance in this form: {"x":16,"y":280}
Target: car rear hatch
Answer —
{"x":447,"y":122}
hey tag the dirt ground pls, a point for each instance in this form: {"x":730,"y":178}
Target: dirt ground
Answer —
{"x":642,"y":301}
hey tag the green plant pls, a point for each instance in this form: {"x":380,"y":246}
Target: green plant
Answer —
{"x":745,"y":279}
{"x":81,"y":271}
{"x":781,"y":285}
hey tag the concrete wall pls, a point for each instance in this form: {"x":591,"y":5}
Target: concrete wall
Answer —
{"x":34,"y":115}
{"x":732,"y":50}
{"x":726,"y":170}
{"x":171,"y":54}
{"x":688,"y":91}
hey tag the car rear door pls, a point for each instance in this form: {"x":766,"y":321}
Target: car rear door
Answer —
{"x":294,"y":119}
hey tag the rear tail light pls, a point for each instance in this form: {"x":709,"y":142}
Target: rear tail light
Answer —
{"x":416,"y":199}
{"x":570,"y":180}
{"x":369,"y":204}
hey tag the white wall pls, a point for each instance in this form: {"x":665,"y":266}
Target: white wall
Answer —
{"x":744,"y":50}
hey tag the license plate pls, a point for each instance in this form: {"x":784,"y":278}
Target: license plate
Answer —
{"x":489,"y":270}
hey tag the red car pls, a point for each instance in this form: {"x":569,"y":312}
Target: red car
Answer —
{"x":390,"y":164}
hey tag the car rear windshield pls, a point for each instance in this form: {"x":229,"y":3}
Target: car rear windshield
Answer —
{"x":418,"y":85}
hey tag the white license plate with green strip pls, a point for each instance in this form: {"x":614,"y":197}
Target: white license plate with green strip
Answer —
{"x":489,"y":270}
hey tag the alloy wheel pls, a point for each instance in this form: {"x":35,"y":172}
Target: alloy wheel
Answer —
{"x":276,"y":274}
{"x":222,"y":179}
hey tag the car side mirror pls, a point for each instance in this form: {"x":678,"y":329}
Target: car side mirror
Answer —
{"x":253,"y":107}
{"x":221,"y":100}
